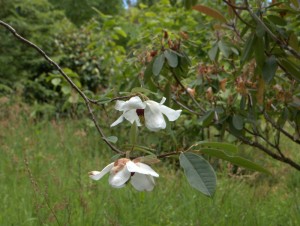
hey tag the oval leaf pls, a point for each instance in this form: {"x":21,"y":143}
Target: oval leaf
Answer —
{"x":236,"y":160}
{"x":199,"y":173}
{"x":218,"y":145}
{"x":259,"y":54}
{"x":269,"y":69}
{"x":207,"y":118}
{"x":141,"y":90}
{"x":56,"y":81}
{"x":210,"y":12}
{"x":248,"y":49}
{"x":158,"y":64}
{"x":213,"y":52}
{"x":224,"y":48}
{"x":172,"y":58}
{"x":112,"y":139}
{"x":238,"y":122}
{"x":133,"y":133}
{"x":291,"y":68}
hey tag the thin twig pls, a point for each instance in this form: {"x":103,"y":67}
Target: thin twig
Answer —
{"x":238,"y":15}
{"x":267,"y":141}
{"x":290,"y":136}
{"x":269,"y":152}
{"x":185,"y":89}
{"x":168,"y":154}
{"x":69,"y":80}
{"x":235,"y":6}
{"x":185,"y":107}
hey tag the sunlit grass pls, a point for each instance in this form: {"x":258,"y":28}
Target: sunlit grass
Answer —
{"x":44,"y":181}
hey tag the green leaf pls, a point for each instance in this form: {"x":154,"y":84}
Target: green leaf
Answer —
{"x":207,"y":118}
{"x":269,"y":69}
{"x":260,"y":30}
{"x":283,"y":118}
{"x":158,"y":64}
{"x":116,"y":157}
{"x":277,"y":20}
{"x":237,"y":160}
{"x":238,"y":122}
{"x":210,"y":12}
{"x":74,"y":98}
{"x":66,"y":89}
{"x":248,"y":49}
{"x":293,"y":41}
{"x":148,"y":72}
{"x":120,"y":31}
{"x":188,"y":3}
{"x":218,"y":145}
{"x":224,"y":48}
{"x":56,"y":81}
{"x":103,"y":100}
{"x":291,"y":68}
{"x":133,"y":133}
{"x":112,"y":139}
{"x":295,"y":3}
{"x":167,"y":94}
{"x":213,"y":52}
{"x":199,"y":173}
{"x":141,"y":90}
{"x":259,"y":53}
{"x":172,"y":58}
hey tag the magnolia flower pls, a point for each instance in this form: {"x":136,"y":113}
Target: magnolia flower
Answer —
{"x":123,"y":170}
{"x":148,"y":112}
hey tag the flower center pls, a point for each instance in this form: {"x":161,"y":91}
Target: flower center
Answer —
{"x":140,"y":113}
{"x":119,"y":164}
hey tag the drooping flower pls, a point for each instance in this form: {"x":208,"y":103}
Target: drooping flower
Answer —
{"x":148,"y":112}
{"x":123,"y":170}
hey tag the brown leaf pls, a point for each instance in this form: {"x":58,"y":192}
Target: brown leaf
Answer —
{"x":210,"y":12}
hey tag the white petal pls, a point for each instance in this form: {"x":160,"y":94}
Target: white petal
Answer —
{"x":147,"y":169}
{"x":140,"y":168}
{"x":132,"y":116}
{"x":133,"y":103}
{"x":118,"y":121}
{"x":171,"y":114}
{"x":120,"y":178}
{"x":96,"y":175}
{"x":163,"y":100}
{"x":142,"y":182}
{"x":132,"y":167}
{"x":154,"y":119}
{"x":119,"y":105}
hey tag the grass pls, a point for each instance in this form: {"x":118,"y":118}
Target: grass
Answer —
{"x":44,"y":181}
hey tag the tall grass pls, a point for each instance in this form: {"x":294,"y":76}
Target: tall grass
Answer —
{"x":44,"y":181}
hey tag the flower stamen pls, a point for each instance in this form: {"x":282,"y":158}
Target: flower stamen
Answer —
{"x":140,"y":113}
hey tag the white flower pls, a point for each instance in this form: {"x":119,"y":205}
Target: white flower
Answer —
{"x":122,"y":170}
{"x":148,"y":112}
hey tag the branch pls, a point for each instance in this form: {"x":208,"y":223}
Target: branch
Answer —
{"x":185,"y":89}
{"x":273,"y":36}
{"x":267,"y":141}
{"x":235,"y":6}
{"x":185,"y":107}
{"x":237,"y":14}
{"x":290,"y":136}
{"x":87,"y":101}
{"x":168,"y":154}
{"x":269,"y":152}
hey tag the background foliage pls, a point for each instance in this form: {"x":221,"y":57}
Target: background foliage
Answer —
{"x":233,"y":68}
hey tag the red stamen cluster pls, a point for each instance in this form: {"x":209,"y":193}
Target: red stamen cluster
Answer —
{"x":140,"y":112}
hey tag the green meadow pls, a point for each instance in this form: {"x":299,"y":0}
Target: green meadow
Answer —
{"x":44,"y":180}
